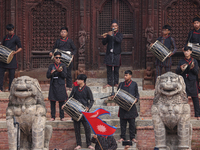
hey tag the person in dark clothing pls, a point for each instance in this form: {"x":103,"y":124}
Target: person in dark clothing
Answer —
{"x":10,"y":41}
{"x":57,"y":72}
{"x":194,"y":38}
{"x":169,"y":42}
{"x":190,"y":77}
{"x":83,"y":94}
{"x":116,"y":37}
{"x":128,"y":116}
{"x":107,"y":142}
{"x":65,"y":44}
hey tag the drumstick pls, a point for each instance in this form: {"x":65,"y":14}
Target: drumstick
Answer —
{"x":99,"y":143}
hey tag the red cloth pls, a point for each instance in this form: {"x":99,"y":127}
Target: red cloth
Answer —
{"x":97,"y":125}
{"x":75,"y":84}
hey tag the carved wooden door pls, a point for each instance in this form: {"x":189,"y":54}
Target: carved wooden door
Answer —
{"x":120,"y":10}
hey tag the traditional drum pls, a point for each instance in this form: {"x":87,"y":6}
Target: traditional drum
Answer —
{"x":74,"y":108}
{"x":195,"y":50}
{"x":160,"y":51}
{"x":66,"y":57}
{"x":124,"y":99}
{"x":5,"y":54}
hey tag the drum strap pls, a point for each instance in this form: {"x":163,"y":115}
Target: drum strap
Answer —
{"x":7,"y":39}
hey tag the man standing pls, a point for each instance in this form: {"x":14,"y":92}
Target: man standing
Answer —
{"x":113,"y":40}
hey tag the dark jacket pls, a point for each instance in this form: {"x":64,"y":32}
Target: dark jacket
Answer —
{"x":133,"y":90}
{"x":84,"y":96}
{"x":65,"y":45}
{"x":107,"y":143}
{"x":61,"y":75}
{"x":189,"y":76}
{"x":193,"y":37}
{"x":11,"y":42}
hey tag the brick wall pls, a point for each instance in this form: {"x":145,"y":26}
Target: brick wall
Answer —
{"x":62,"y":138}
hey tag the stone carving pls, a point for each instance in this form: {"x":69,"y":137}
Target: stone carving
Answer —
{"x":148,"y":73}
{"x":148,"y":81}
{"x":171,"y":113}
{"x":26,"y":104}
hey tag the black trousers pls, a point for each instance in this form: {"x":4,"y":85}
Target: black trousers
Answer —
{"x":11,"y":76}
{"x":123,"y":124}
{"x":69,"y":76}
{"x":196,"y":106}
{"x":159,"y":70}
{"x":109,"y":75}
{"x":78,"y":134}
{"x":53,"y":109}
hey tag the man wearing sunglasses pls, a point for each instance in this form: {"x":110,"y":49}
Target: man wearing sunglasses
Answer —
{"x":57,"y":72}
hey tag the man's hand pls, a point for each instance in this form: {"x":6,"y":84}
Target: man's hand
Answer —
{"x":60,"y":69}
{"x":50,"y":54}
{"x":170,"y":55}
{"x":183,"y":49}
{"x":192,"y":65}
{"x":87,"y":109}
{"x":62,"y":106}
{"x":183,"y":67}
{"x":95,"y":136}
{"x":52,"y":71}
{"x":151,"y":44}
{"x":110,"y":33}
{"x":105,"y":35}
{"x":12,"y":54}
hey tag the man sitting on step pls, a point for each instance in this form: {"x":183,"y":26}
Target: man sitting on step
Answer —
{"x":128,"y":116}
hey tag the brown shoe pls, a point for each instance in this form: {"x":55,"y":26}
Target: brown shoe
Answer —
{"x":134,"y":140}
{"x":107,"y":85}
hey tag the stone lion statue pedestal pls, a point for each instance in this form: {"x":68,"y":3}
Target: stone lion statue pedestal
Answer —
{"x":171,"y":113}
{"x":26,"y":105}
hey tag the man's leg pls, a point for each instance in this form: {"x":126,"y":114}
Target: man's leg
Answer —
{"x":109,"y":75}
{"x":116,"y":75}
{"x":167,"y":69}
{"x":123,"y":123}
{"x":132,"y":128}
{"x":2,"y":71}
{"x":69,"y":76}
{"x":158,"y":71}
{"x":53,"y":109}
{"x":196,"y":106}
{"x":61,"y":103}
{"x":11,"y":76}
{"x":87,"y":132}
{"x":77,"y":132}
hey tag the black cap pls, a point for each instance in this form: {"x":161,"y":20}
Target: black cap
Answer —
{"x":57,"y":53}
{"x":196,"y":19}
{"x":82,"y":77}
{"x":114,"y":21}
{"x":188,"y":48}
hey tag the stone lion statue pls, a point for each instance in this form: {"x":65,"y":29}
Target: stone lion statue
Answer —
{"x":26,"y":104}
{"x":171,"y":113}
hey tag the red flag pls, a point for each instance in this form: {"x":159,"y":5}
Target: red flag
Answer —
{"x":97,"y":125}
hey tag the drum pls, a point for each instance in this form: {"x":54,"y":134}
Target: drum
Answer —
{"x":160,"y":51}
{"x":124,"y":99}
{"x":66,"y":57}
{"x":5,"y":54}
{"x":74,"y":108}
{"x":195,"y":50}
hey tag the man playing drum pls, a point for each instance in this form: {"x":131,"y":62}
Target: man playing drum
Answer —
{"x":169,"y":42}
{"x":10,"y":41}
{"x":65,"y":44}
{"x":128,"y":116}
{"x":57,"y":72}
{"x":83,"y":94}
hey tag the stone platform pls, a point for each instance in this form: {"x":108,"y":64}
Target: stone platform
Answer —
{"x":63,"y":132}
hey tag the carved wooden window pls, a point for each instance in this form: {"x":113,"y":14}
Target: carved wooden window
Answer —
{"x":120,"y":10}
{"x":47,"y":19}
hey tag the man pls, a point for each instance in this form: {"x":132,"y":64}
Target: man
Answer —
{"x":113,"y":40}
{"x":65,"y":44}
{"x":83,"y":94}
{"x":189,"y":74}
{"x":128,"y":116}
{"x":57,"y":92}
{"x":10,"y":41}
